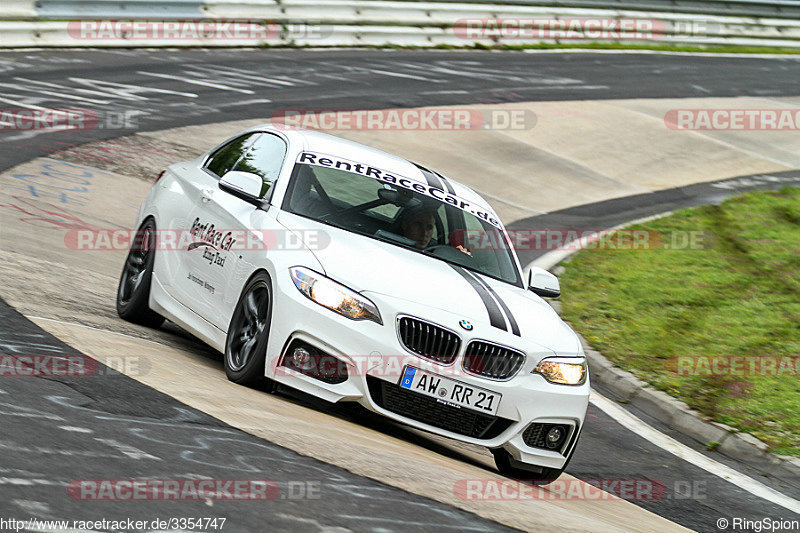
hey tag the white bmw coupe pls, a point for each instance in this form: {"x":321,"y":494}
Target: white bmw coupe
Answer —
{"x":354,"y":275}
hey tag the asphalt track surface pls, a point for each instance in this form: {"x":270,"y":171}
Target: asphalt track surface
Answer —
{"x":149,"y":86}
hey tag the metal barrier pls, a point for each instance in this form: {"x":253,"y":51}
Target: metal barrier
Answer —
{"x":119,"y":9}
{"x":17,"y":9}
{"x":754,"y":8}
{"x":378,"y":22}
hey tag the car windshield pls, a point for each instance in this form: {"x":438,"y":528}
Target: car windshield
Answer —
{"x":402,"y":212}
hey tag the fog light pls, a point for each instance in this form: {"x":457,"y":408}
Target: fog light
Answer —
{"x":555,"y":437}
{"x":301,"y":358}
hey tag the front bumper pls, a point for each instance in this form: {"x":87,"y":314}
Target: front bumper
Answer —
{"x":375,"y":358}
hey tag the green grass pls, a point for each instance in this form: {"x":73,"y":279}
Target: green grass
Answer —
{"x":739,"y":294}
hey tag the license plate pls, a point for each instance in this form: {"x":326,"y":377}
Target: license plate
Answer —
{"x":450,"y":391}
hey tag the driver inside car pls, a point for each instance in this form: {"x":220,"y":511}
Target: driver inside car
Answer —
{"x":418,"y":225}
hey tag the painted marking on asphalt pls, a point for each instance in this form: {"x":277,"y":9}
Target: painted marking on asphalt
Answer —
{"x":31,"y":506}
{"x":10,"y":409}
{"x":31,"y":106}
{"x":197,"y":82}
{"x":127,"y":449}
{"x":30,"y":119}
{"x":27,"y":482}
{"x":560,"y":88}
{"x":231,"y":72}
{"x":124,"y":90}
{"x":55,"y":93}
{"x":245,"y":102}
{"x":76,"y":429}
{"x":399,"y":75}
{"x":691,"y":456}
{"x":5,"y":445}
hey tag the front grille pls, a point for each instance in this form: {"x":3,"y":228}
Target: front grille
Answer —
{"x":492,"y":361}
{"x":534,"y":436}
{"x":430,"y":341}
{"x":429,"y":411}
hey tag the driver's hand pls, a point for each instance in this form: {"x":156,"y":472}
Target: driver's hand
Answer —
{"x":462,"y":249}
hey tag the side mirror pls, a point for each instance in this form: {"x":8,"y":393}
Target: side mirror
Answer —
{"x":543,"y":283}
{"x":244,"y":185}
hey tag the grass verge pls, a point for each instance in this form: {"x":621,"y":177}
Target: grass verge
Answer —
{"x":735,"y":293}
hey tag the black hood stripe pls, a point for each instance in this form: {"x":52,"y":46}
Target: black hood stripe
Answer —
{"x":446,"y":183}
{"x":511,"y":321}
{"x":495,"y":315}
{"x":432,"y":179}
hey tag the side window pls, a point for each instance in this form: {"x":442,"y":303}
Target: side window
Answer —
{"x":226,"y":158}
{"x":264,"y":158}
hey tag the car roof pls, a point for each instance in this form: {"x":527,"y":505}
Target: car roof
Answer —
{"x":316,"y":141}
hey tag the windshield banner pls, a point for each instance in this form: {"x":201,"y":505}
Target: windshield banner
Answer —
{"x":437,"y":193}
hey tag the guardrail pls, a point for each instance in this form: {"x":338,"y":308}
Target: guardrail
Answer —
{"x":17,"y":9}
{"x":377,"y":22}
{"x":755,"y":8}
{"x":120,"y":9}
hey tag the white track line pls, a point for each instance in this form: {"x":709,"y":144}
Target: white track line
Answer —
{"x":691,"y":456}
{"x":220,"y":86}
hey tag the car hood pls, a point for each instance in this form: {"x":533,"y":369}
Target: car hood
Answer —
{"x":373,"y":266}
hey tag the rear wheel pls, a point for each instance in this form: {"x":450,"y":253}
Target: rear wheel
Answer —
{"x":246,"y":345}
{"x":133,"y":294}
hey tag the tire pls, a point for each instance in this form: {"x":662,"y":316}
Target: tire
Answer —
{"x":133,"y":293}
{"x":248,"y":333}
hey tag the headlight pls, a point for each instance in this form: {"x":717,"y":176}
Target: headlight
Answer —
{"x":334,"y":296}
{"x":564,"y":371}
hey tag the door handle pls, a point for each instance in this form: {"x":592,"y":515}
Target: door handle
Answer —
{"x":206,"y":195}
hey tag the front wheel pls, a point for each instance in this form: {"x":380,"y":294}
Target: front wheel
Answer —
{"x":246,"y":345}
{"x":133,"y":294}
